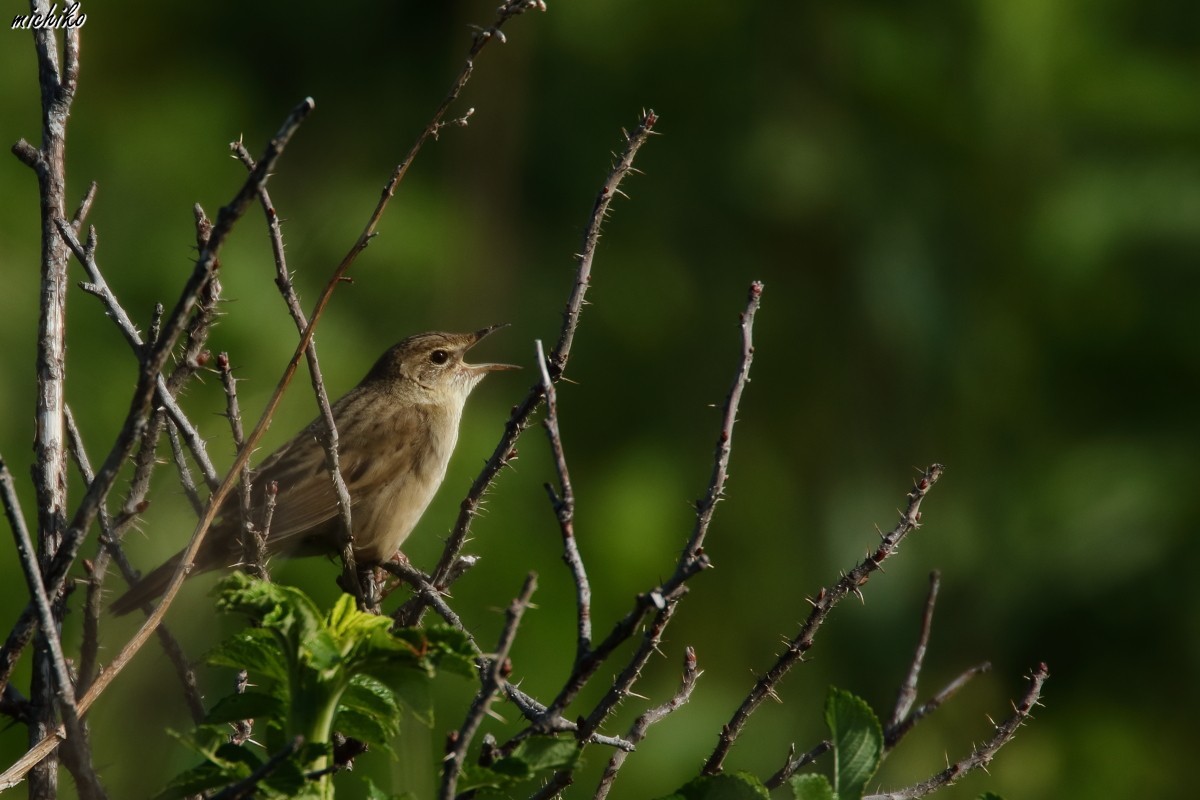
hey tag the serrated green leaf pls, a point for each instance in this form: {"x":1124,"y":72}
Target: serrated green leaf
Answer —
{"x":451,"y":650}
{"x":543,"y":753}
{"x":727,"y":786}
{"x":857,"y":742}
{"x":369,"y":728}
{"x":375,"y":793}
{"x":811,"y":787}
{"x":249,"y":705}
{"x":368,"y":710}
{"x":196,"y":781}
{"x":412,"y":688}
{"x":531,"y":758}
{"x":254,"y":650}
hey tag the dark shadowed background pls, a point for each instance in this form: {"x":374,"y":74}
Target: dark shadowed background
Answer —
{"x":978,"y":224}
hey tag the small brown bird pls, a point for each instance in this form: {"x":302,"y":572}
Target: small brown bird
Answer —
{"x":396,"y":432}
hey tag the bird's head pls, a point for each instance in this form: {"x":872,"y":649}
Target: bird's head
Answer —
{"x":432,"y":365}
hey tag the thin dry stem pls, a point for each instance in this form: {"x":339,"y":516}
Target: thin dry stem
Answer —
{"x":850,"y":583}
{"x":519,"y":420}
{"x":641,"y":725}
{"x":493,"y":674}
{"x":563,"y":502}
{"x":981,"y":755}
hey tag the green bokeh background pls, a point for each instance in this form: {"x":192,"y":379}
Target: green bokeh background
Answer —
{"x":979,"y":227}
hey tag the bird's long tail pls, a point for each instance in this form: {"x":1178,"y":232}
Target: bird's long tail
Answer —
{"x":148,"y":588}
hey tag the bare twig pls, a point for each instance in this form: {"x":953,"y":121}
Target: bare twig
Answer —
{"x":88,"y":663}
{"x":519,"y":420}
{"x":641,"y":725}
{"x":907,"y":693}
{"x":136,"y":422}
{"x":850,"y":583}
{"x":564,"y":510}
{"x":84,"y":771}
{"x":328,"y":433}
{"x":623,"y":684}
{"x":796,"y":763}
{"x":493,"y":674}
{"x":981,"y":755}
{"x":896,"y":731}
{"x":185,"y":472}
{"x":254,"y":543}
{"x":165,"y":389}
{"x":420,"y":583}
{"x":693,"y":559}
{"x":57,"y":82}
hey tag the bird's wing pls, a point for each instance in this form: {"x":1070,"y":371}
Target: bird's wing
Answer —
{"x":306,"y":498}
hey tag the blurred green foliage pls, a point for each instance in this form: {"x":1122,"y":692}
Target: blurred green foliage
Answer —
{"x":979,"y":227}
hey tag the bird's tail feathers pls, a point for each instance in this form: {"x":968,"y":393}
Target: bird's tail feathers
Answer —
{"x":150,"y":587}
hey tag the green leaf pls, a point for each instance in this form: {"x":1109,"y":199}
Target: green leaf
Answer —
{"x":413,"y":688}
{"x":857,"y":742}
{"x":990,"y":796}
{"x":727,"y":786}
{"x":249,"y":705}
{"x":529,"y":759}
{"x":361,"y":725}
{"x":254,"y":650}
{"x":451,"y":650}
{"x":370,"y":699}
{"x":375,"y":793}
{"x":811,"y":787}
{"x":546,"y":753}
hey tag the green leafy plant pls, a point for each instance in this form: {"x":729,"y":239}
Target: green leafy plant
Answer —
{"x":858,"y":748}
{"x":314,"y":674}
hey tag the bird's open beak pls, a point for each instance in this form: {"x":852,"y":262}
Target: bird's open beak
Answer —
{"x":478,"y":336}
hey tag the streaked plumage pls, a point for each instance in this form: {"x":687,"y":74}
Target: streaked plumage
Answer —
{"x":396,"y":430}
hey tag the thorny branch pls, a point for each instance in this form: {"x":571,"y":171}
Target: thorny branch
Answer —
{"x":796,"y":763}
{"x":664,"y":598}
{"x":58,"y":82}
{"x":850,"y":583}
{"x":254,"y":543}
{"x":85,"y":773}
{"x":110,"y":547}
{"x":642,"y":724}
{"x":692,"y":560}
{"x":444,"y":573}
{"x":493,"y":675}
{"x":896,"y":731}
{"x":137,"y":420}
{"x":981,"y":755}
{"x":907,"y":694}
{"x":563,"y":502}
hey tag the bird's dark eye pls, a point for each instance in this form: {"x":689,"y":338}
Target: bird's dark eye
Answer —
{"x":439,"y":356}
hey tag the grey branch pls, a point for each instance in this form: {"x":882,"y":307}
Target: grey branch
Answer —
{"x":796,"y":763}
{"x":896,"y":731}
{"x":981,"y":755}
{"x":89,"y":782}
{"x":641,"y":725}
{"x":826,"y":600}
{"x":493,"y":675}
{"x":328,"y":434}
{"x":907,"y":693}
{"x":563,"y":502}
{"x":519,"y":420}
{"x":110,"y":547}
{"x":137,"y":420}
